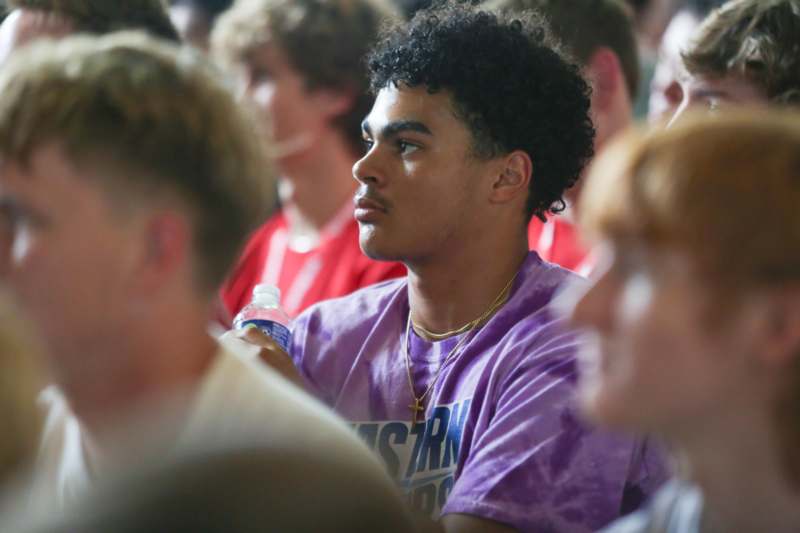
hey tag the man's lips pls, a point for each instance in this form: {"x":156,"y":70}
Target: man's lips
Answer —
{"x":368,"y":209}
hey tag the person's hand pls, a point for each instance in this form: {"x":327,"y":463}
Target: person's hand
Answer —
{"x":271,"y":353}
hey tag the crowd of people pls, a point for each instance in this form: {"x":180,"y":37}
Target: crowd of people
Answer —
{"x":514,"y":307}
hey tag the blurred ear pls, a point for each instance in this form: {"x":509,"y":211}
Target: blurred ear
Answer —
{"x":782,"y":341}
{"x":512,"y":178}
{"x":167,"y":253}
{"x":332,"y":103}
{"x":604,"y":71}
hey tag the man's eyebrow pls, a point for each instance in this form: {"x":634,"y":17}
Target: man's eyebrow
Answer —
{"x":393,"y":129}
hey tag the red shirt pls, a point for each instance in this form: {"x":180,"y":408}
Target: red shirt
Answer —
{"x":335,"y":267}
{"x":558,"y":241}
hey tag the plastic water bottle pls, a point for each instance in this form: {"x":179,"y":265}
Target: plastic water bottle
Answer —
{"x":265,"y":313}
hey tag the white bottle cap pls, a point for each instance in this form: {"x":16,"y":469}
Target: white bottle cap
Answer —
{"x":266,"y":294}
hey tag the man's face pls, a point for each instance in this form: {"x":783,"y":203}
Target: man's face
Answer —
{"x":67,"y":255}
{"x":291,"y":112}
{"x":702,"y":93}
{"x":420,"y":185}
{"x":659,"y":362}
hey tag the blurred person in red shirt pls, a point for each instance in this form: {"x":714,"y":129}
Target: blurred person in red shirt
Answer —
{"x":301,"y":68}
{"x":600,"y":37}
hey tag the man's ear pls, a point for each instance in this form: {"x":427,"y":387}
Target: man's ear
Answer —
{"x":604,"y":71}
{"x":167,"y":250}
{"x":333,"y":102}
{"x":513,"y":178}
{"x":782,"y":341}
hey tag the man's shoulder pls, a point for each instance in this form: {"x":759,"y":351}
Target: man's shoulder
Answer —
{"x":363,"y":306}
{"x":241,"y":395}
{"x":535,"y":307}
{"x":544,"y":277}
{"x":531,"y":334}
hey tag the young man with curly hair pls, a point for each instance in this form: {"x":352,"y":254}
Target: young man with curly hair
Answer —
{"x":302,"y":66}
{"x":32,"y":19}
{"x":129,"y":181}
{"x":460,"y":375}
{"x":745,"y":52}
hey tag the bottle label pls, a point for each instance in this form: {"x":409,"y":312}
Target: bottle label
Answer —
{"x":277,"y":331}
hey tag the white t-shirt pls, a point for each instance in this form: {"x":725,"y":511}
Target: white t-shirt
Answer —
{"x":675,"y":508}
{"x":240,"y":399}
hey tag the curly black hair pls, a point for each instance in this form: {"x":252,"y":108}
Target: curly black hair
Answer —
{"x":509,"y":84}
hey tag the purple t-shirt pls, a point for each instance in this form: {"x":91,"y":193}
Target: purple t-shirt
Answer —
{"x":501,"y":438}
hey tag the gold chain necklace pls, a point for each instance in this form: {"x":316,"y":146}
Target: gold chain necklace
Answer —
{"x":430,"y":335}
{"x":419,"y":405}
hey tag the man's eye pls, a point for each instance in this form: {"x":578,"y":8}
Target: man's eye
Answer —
{"x":259,"y":75}
{"x":406,"y":147}
{"x":368,"y":144}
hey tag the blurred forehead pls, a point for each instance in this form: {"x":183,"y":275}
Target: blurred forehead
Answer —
{"x":730,"y":88}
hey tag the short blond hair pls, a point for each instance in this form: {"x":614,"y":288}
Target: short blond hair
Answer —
{"x":159,"y":118}
{"x":107,"y":16}
{"x":325,"y":41}
{"x":724,"y":189}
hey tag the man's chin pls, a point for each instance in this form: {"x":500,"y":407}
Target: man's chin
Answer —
{"x":376,"y":252}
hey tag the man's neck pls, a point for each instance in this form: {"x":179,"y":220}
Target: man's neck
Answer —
{"x":316,"y":185}
{"x":743,"y":480}
{"x":150,"y":369}
{"x":460,"y":285}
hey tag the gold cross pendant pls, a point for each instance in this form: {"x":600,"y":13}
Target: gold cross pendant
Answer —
{"x":415,"y":410}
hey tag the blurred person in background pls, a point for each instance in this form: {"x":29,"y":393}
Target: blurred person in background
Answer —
{"x":194,"y":19}
{"x":301,"y":65}
{"x":696,"y":315}
{"x":599,"y":35}
{"x":651,"y":18}
{"x":666,"y":92}
{"x":745,"y":52}
{"x":32,"y":19}
{"x":239,"y":490}
{"x":129,"y":181}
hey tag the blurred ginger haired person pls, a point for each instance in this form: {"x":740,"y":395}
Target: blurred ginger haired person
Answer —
{"x":697,"y":311}
{"x":31,"y":19}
